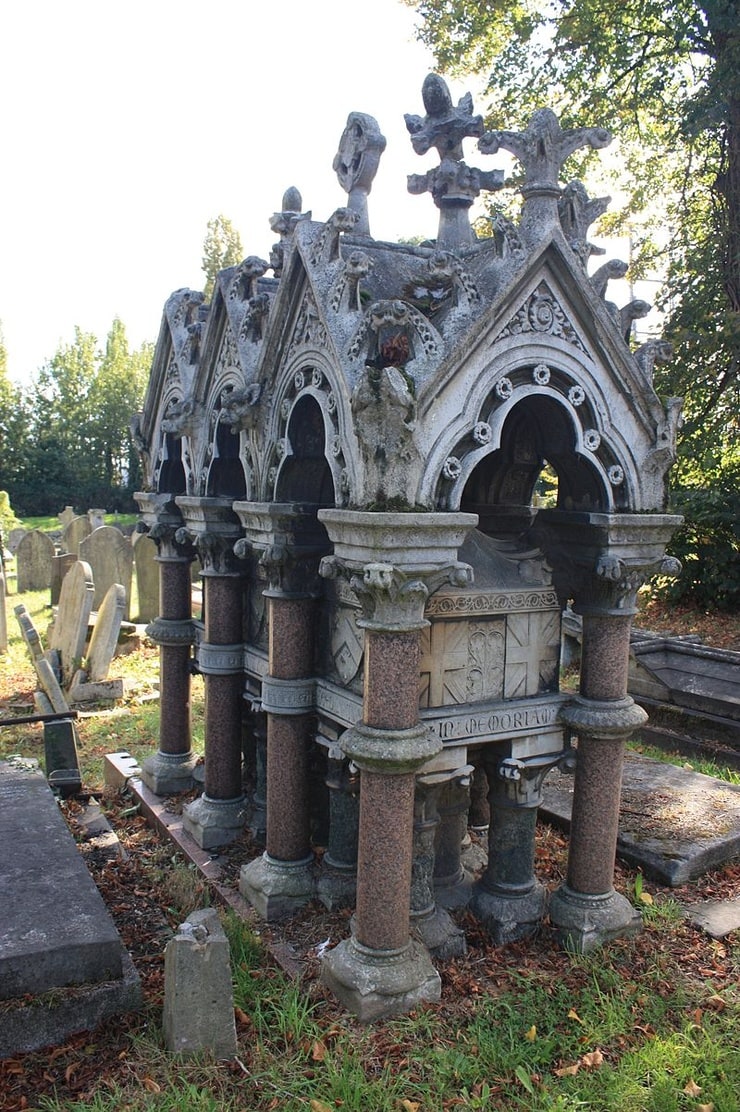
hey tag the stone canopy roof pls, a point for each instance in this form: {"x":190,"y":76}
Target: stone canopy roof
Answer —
{"x":357,"y":373}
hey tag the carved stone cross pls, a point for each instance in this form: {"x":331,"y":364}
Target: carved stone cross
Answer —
{"x":356,"y":164}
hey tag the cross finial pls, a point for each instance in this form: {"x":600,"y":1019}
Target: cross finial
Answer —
{"x":453,"y":185}
{"x":356,"y":164}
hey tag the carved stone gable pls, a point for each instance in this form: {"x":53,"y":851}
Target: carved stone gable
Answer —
{"x":309,"y":329}
{"x":543,"y":313}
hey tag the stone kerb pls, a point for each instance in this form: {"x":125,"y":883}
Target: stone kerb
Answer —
{"x":34,"y":562}
{"x":111,"y":557}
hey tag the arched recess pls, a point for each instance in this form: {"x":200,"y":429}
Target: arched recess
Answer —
{"x":172,"y":478}
{"x":501,"y":488}
{"x":226,"y":474}
{"x":305,"y":475}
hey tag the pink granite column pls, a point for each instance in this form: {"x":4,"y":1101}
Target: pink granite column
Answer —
{"x":391,"y":702}
{"x":218,"y":815}
{"x":170,"y":769}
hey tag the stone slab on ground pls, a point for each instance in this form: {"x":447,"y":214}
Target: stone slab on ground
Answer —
{"x":675,"y":824}
{"x":55,"y":930}
{"x":717,"y":917}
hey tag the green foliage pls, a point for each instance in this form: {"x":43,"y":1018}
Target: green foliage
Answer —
{"x":222,"y":247}
{"x":708,"y":543}
{"x":67,"y":438}
{"x":664,"y":76}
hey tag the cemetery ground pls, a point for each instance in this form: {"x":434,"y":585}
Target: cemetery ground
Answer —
{"x":650,"y":1023}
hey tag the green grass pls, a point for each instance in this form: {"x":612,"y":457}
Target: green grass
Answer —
{"x":698,"y":764}
{"x":51,"y":523}
{"x":643,"y":1025}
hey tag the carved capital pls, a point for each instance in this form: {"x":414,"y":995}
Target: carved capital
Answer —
{"x":216,"y":554}
{"x":172,"y":543}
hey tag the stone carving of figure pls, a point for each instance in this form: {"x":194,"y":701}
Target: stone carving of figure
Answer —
{"x":384,"y":410}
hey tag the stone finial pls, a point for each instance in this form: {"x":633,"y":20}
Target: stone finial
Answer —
{"x":453,"y":185}
{"x":612,"y":270}
{"x":444,"y":126}
{"x":356,"y":163}
{"x":650,"y":353}
{"x":632,"y":311}
{"x":577,"y":214}
{"x":542,"y":149}
{"x":284,"y":223}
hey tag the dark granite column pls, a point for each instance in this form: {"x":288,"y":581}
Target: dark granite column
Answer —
{"x":282,"y":879}
{"x":430,"y":923}
{"x":394,"y":562}
{"x":508,"y":899}
{"x":218,"y":815}
{"x":170,"y":770}
{"x":337,"y":884}
{"x":600,"y":561}
{"x":452,"y":885}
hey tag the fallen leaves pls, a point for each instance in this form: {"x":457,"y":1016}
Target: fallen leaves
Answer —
{"x":589,"y":1061}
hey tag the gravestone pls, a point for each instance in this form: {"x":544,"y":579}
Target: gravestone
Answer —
{"x":74,"y":534}
{"x":3,"y":618}
{"x":55,"y":929}
{"x":34,"y":561}
{"x":198,"y":996}
{"x":68,"y":635}
{"x":102,"y":647}
{"x":111,"y":557}
{"x":14,"y":538}
{"x":96,"y":518}
{"x":66,"y":516}
{"x":60,"y":565}
{"x":147,"y":579}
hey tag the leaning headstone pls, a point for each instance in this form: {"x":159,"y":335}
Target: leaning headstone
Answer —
{"x":68,"y":635}
{"x":74,"y":534}
{"x":147,"y":578}
{"x":33,"y":561}
{"x":111,"y":558}
{"x":102,"y":647}
{"x":198,"y":997}
{"x":49,"y":697}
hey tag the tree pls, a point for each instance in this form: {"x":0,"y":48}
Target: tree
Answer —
{"x":664,"y":76}
{"x":222,"y":247}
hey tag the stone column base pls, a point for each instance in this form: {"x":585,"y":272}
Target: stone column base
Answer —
{"x":335,"y":888}
{"x":439,"y":934}
{"x":582,"y":922}
{"x":277,"y":889}
{"x":455,"y":893}
{"x":169,"y":773}
{"x":214,"y":822}
{"x":373,"y":984}
{"x":508,"y":917}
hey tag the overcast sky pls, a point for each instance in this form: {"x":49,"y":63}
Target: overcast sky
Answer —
{"x":127,"y":127}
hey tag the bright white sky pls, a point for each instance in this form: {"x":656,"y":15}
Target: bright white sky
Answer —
{"x":128,"y":126}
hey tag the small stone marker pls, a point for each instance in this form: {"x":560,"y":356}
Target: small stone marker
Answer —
{"x":717,"y":917}
{"x":198,"y":997}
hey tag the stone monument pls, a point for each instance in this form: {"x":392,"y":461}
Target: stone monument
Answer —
{"x":350,"y":447}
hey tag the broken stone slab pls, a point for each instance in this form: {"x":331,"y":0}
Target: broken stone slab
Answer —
{"x":198,"y":995}
{"x":106,"y":630}
{"x":675,"y":824}
{"x":717,"y":917}
{"x":60,"y":756}
{"x":106,"y":691}
{"x":55,"y":931}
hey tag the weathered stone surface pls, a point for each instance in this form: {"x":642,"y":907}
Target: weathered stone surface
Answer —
{"x":146,"y":570}
{"x":716,"y":917}
{"x":111,"y":558}
{"x":33,"y":560}
{"x":198,"y":1002}
{"x":104,"y":640}
{"x":674,"y":823}
{"x":55,"y":929}
{"x":68,"y":634}
{"x":74,"y":533}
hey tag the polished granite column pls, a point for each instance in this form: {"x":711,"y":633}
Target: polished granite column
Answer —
{"x":218,"y":816}
{"x":393,"y":562}
{"x":289,"y":543}
{"x":170,"y":769}
{"x":600,"y":561}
